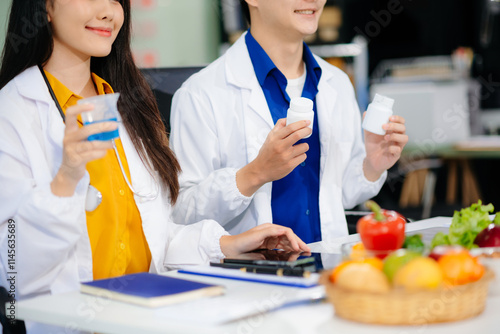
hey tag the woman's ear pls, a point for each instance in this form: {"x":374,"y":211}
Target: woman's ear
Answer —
{"x":252,"y":3}
{"x":48,"y":5}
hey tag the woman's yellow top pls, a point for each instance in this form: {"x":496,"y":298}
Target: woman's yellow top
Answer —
{"x":115,"y":228}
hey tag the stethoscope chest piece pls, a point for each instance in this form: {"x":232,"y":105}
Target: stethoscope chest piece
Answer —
{"x":93,"y":199}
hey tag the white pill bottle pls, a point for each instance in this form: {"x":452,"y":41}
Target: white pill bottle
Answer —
{"x":301,"y":108}
{"x":377,"y":114}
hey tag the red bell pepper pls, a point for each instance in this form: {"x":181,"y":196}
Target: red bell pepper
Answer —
{"x":382,"y":230}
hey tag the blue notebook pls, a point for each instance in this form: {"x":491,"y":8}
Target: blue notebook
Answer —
{"x":150,"y":290}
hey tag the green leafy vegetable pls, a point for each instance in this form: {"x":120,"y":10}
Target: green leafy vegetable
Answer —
{"x":414,"y":243}
{"x":466,"y":225}
{"x":440,"y":239}
{"x":496,"y":220}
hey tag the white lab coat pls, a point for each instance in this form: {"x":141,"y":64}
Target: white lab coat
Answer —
{"x":53,"y":252}
{"x":220,"y":119}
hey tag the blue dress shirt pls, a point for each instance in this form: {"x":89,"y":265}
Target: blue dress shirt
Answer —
{"x":295,"y":198}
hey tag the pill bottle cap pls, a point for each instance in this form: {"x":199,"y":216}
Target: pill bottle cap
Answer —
{"x":383,"y":101}
{"x":301,"y":104}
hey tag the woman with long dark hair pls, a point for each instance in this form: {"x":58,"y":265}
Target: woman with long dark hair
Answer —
{"x":79,"y":209}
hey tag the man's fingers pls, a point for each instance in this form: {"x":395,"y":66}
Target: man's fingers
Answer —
{"x":295,"y":242}
{"x":300,"y":149}
{"x":397,"y":138}
{"x":394,"y":127}
{"x":280,"y":124}
{"x":292,"y":128}
{"x":298,"y":160}
{"x":395,"y":150}
{"x":289,"y":239}
{"x":303,"y":246}
{"x":397,"y":119}
{"x":297,"y":135}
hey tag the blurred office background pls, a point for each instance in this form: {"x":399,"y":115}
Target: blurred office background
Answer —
{"x":440,"y":59}
{"x":166,"y":32}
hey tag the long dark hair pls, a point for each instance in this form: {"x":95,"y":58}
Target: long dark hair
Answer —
{"x":245,"y":10}
{"x":29,"y":42}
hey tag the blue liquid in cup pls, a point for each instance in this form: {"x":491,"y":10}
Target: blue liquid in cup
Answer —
{"x":104,"y":135}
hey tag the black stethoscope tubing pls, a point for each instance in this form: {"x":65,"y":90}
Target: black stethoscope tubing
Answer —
{"x":52,"y":94}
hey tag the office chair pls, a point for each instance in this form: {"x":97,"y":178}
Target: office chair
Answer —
{"x":8,"y":326}
{"x":164,"y":82}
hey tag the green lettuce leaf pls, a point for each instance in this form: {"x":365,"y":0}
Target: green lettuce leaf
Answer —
{"x":440,"y":239}
{"x":414,"y":243}
{"x":466,"y":225}
{"x":496,"y":220}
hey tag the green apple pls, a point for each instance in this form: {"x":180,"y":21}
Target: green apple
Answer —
{"x":396,"y":260}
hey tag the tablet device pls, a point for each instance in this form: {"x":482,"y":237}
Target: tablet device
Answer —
{"x":278,"y":259}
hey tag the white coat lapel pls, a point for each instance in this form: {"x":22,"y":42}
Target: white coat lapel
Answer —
{"x":325,"y":103}
{"x":48,"y":122}
{"x":32,"y":86}
{"x":257,"y":117}
{"x":258,"y":122}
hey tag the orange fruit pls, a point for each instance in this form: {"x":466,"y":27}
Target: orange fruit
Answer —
{"x":419,"y":273}
{"x":358,"y":251}
{"x":372,"y":261}
{"x":336,"y":271}
{"x":363,"y":277}
{"x":396,"y":260}
{"x":460,"y":268}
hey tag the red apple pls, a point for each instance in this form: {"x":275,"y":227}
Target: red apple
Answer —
{"x":489,"y":237}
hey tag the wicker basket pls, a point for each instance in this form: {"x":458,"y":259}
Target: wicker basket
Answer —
{"x":400,"y":307}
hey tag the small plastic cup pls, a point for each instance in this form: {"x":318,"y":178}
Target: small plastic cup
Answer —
{"x":105,"y":109}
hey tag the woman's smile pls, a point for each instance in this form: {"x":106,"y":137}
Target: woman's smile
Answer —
{"x":101,"y":31}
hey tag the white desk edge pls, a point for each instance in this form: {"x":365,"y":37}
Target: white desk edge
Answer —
{"x":75,"y":310}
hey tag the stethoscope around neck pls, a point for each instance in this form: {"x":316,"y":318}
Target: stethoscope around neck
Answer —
{"x":94,"y":196}
{"x":147,"y":197}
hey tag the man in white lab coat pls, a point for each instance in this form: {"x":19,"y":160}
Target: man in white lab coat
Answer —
{"x":242,"y":165}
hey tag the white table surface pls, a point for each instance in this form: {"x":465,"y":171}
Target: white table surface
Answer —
{"x":75,"y":310}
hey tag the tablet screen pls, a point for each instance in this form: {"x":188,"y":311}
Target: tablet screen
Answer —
{"x":313,"y":262}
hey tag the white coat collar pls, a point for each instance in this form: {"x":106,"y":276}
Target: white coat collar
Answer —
{"x":240,"y":73}
{"x":31,"y":85}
